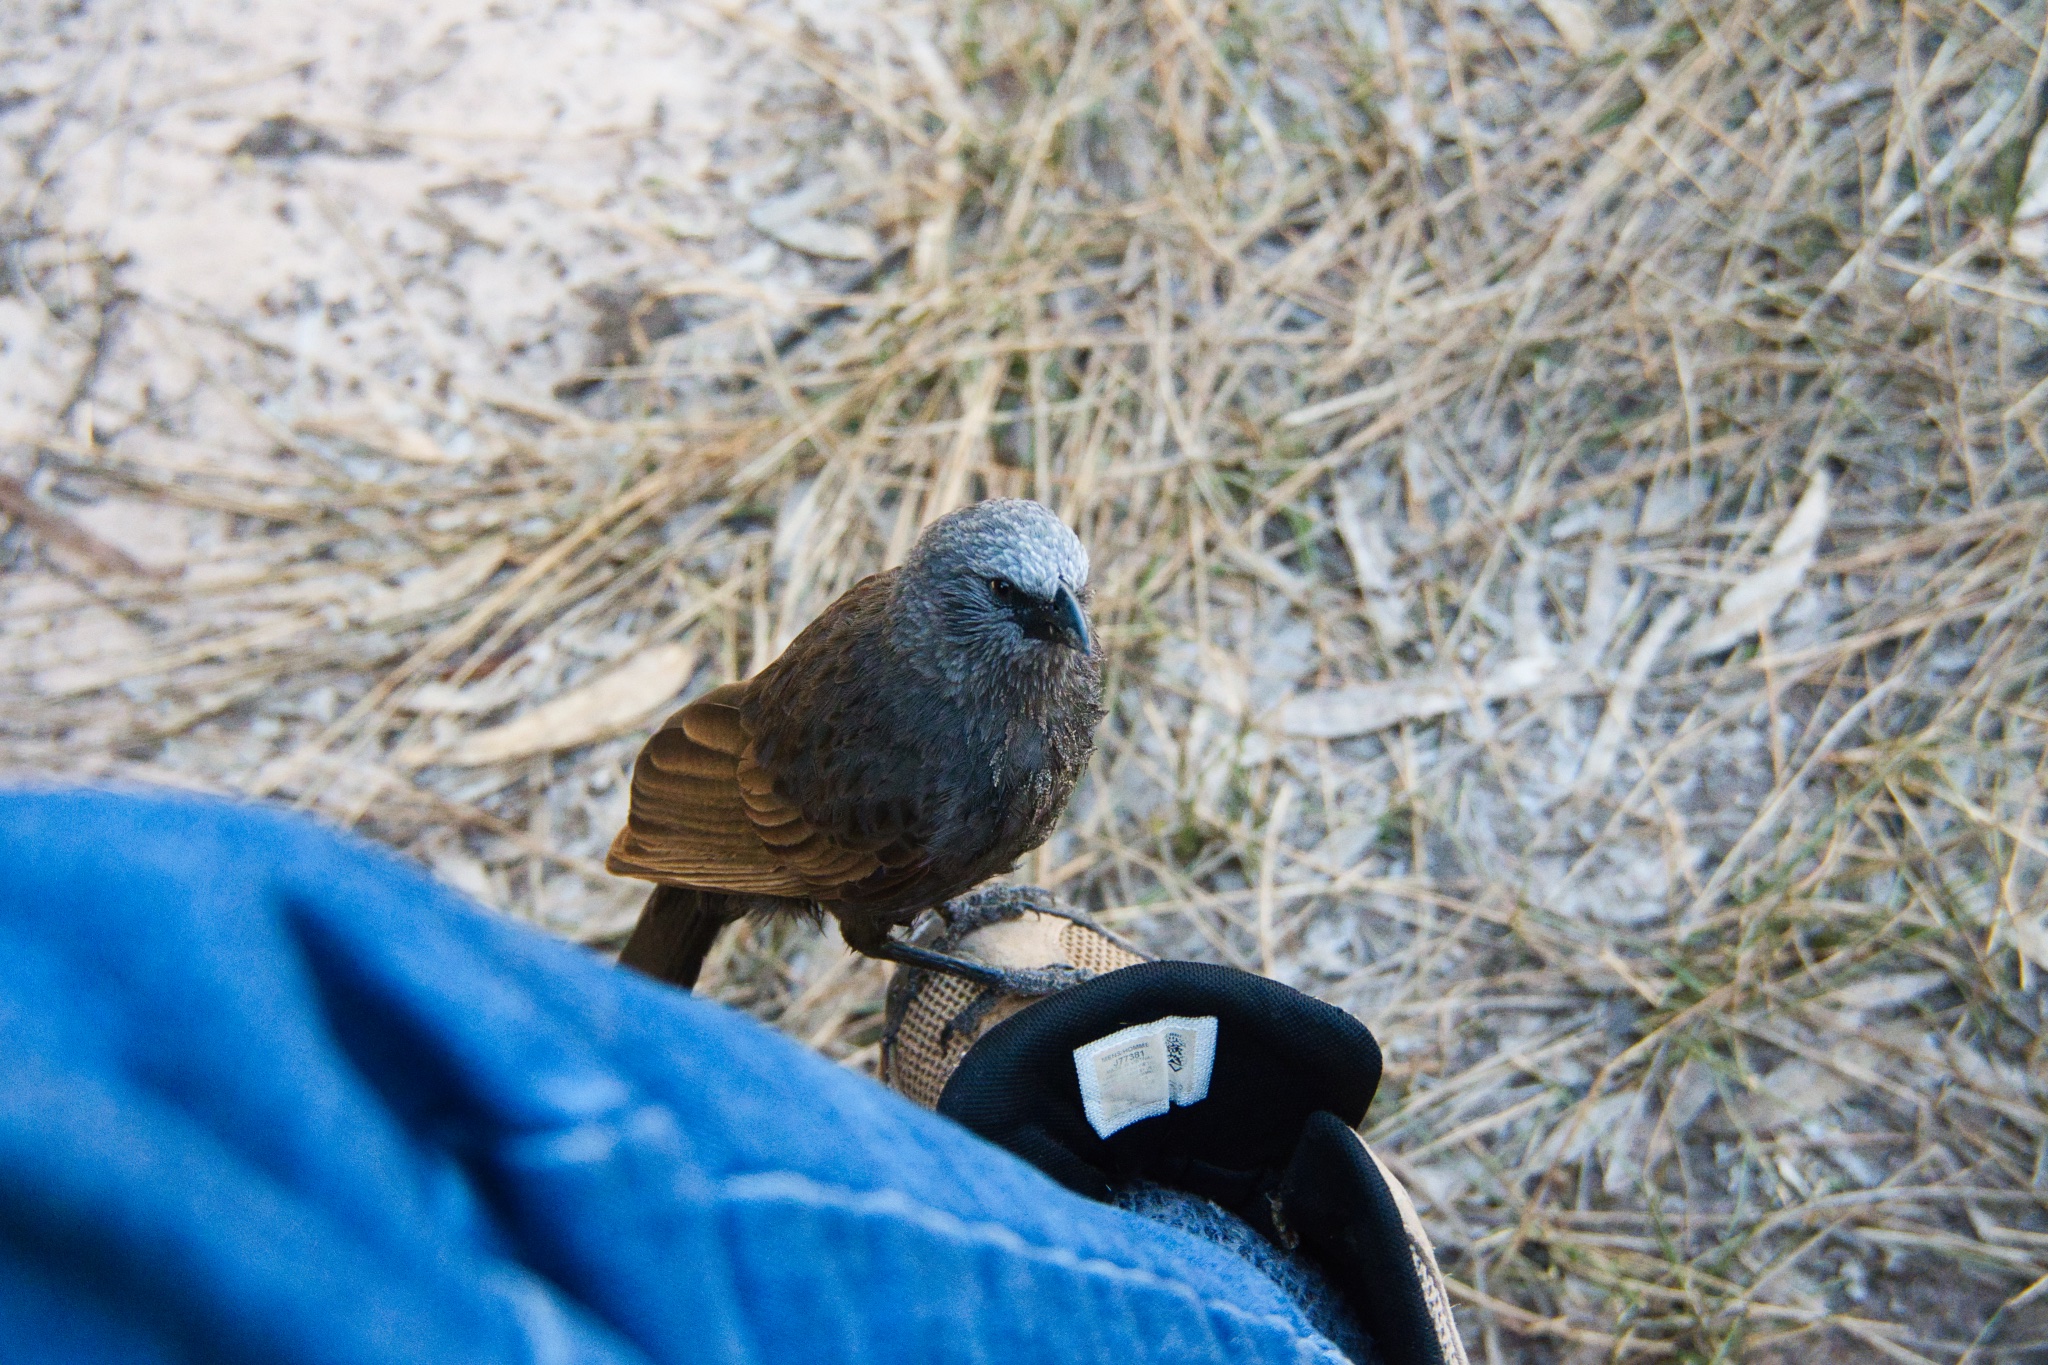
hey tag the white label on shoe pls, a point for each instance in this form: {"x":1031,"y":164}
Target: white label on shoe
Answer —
{"x":1142,"y":1071}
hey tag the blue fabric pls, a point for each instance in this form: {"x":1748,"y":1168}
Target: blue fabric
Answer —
{"x":269,"y":1094}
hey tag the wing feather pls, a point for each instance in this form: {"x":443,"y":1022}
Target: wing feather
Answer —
{"x":705,"y":813}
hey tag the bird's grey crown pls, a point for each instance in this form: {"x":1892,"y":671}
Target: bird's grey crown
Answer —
{"x":1012,"y":538}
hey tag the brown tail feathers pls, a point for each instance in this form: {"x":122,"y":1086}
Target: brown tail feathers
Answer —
{"x":676,"y":931}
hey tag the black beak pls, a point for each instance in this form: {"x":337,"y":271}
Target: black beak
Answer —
{"x":1066,"y":613}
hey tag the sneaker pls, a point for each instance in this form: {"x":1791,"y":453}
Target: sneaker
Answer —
{"x":1204,"y":1097}
{"x":932,"y":1019}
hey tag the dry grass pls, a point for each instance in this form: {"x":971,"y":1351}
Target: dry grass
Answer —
{"x":1423,"y":393}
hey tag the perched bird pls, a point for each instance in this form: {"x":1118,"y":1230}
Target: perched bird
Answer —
{"x":914,"y":740}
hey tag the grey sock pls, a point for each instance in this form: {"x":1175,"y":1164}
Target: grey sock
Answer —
{"x":1298,"y":1277}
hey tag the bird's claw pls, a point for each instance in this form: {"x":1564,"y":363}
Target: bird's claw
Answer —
{"x":1047,"y":980}
{"x":992,"y":905}
{"x":957,"y":919}
{"x":1007,"y":980}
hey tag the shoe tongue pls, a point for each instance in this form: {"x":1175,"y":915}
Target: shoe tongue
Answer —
{"x":1102,"y":1085}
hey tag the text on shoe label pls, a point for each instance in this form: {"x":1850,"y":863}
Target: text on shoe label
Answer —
{"x":1142,"y":1071}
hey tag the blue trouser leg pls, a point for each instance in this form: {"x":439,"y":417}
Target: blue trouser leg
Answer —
{"x":269,"y":1094}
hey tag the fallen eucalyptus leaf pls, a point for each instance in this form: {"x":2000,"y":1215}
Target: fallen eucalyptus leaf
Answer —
{"x":1886,"y":992}
{"x":407,"y":443}
{"x":2032,"y":936}
{"x":789,"y":220}
{"x":2029,"y":236}
{"x":1748,"y":606}
{"x":833,"y":241}
{"x":602,"y":707}
{"x":438,"y":587}
{"x":1342,"y":712}
{"x":446,"y":699}
{"x":1372,"y":565}
{"x":1575,"y":23}
{"x":1619,"y":717}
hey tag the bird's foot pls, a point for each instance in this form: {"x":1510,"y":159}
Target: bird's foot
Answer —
{"x":994,"y":904}
{"x":1042,"y":980}
{"x":1008,"y":980}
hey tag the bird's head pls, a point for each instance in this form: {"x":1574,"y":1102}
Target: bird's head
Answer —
{"x":1006,"y":580}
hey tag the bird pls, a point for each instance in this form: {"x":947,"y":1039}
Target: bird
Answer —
{"x":914,"y":740}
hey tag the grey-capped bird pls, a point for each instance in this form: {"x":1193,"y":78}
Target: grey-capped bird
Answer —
{"x":918,"y":737}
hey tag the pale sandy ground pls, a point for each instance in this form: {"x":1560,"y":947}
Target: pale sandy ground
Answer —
{"x":462,"y":181}
{"x":238,"y":229}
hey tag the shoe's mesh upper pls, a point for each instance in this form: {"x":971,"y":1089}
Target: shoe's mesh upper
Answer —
{"x":946,"y":1015}
{"x":922,"y":1054}
{"x":1091,"y":952}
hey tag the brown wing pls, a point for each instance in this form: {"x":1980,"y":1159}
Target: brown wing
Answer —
{"x":705,"y":814}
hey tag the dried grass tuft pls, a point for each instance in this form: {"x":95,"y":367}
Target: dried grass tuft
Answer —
{"x":1566,"y":484}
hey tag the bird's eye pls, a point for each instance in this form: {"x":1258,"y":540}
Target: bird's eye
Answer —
{"x":1003,"y":588}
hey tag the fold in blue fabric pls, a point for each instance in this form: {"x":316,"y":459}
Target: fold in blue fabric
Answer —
{"x":270,"y":1094}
